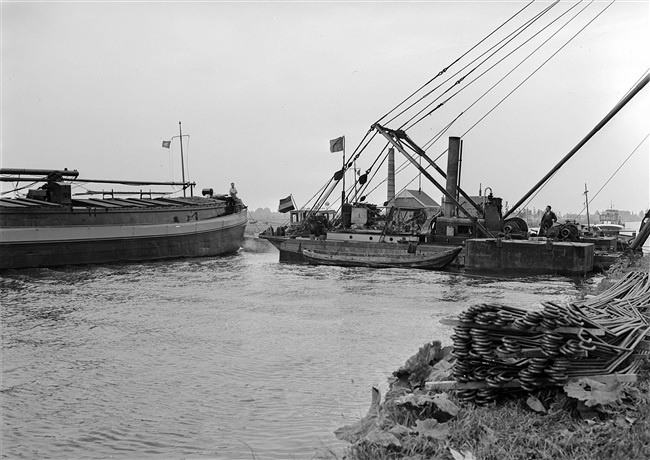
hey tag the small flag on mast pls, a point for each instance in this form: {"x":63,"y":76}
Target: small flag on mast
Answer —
{"x":166,"y":144}
{"x":337,"y":145}
{"x":286,"y":204}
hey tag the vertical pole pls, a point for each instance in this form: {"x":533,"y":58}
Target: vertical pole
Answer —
{"x":343,"y":191}
{"x":587,"y":203}
{"x":356,"y":180}
{"x":180,"y":131}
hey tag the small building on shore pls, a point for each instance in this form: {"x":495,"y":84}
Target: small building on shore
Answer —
{"x":414,"y":199}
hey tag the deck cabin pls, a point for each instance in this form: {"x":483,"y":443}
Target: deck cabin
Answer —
{"x":298,"y":216}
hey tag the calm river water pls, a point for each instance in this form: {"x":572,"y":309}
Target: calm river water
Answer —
{"x":237,"y":357}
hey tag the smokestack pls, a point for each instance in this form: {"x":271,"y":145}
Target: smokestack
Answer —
{"x":453,"y":156}
{"x":391,"y":174}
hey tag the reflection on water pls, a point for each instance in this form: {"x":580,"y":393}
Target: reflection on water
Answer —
{"x":238,"y":357}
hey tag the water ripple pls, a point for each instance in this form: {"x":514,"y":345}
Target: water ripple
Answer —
{"x":234,"y":357}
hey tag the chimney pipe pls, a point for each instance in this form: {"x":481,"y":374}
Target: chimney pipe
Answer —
{"x":391,"y":174}
{"x":453,"y":172}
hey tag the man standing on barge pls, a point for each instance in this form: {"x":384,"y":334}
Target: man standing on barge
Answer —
{"x":548,"y":219}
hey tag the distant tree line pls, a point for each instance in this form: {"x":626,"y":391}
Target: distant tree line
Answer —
{"x":624,"y":216}
{"x":532,"y":216}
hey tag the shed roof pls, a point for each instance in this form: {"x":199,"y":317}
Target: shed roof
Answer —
{"x":414,"y":198}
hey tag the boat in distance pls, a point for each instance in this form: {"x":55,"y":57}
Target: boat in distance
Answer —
{"x":610,"y":223}
{"x":384,"y":257}
{"x":49,"y":227}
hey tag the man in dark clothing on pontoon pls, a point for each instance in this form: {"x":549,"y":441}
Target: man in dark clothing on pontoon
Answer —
{"x":548,"y":219}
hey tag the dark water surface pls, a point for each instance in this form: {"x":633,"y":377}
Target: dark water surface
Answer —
{"x":232,"y":358}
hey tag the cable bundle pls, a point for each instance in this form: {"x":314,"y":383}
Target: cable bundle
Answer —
{"x":498,"y":348}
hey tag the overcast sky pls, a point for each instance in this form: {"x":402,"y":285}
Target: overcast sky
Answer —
{"x":261,"y":88}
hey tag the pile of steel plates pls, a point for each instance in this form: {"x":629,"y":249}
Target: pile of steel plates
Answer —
{"x":498,"y":348}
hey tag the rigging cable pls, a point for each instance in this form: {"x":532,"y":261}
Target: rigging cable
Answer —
{"x":358,"y":150}
{"x":320,"y":192}
{"x":531,"y":74}
{"x":527,"y":78}
{"x":355,"y":156}
{"x":635,"y":84}
{"x":406,"y":163}
{"x":446,"y":68}
{"x":17,"y":189}
{"x":431,"y":142}
{"x":490,"y":68}
{"x":508,"y":39}
{"x":374,"y":170}
{"x":498,"y":46}
{"x":438,"y":136}
{"x":171,"y":163}
{"x":615,"y":172}
{"x":399,"y":169}
{"x":171,"y":168}
{"x":187,"y":154}
{"x":537,"y":69}
{"x":527,"y":57}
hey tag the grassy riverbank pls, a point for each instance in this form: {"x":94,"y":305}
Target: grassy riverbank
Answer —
{"x":510,"y":429}
{"x":416,"y":424}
